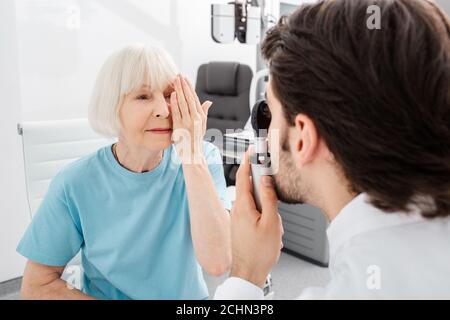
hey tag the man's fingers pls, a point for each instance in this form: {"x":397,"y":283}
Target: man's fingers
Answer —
{"x":269,"y":200}
{"x":282,"y":234}
{"x":243,"y":182}
{"x":244,"y":175}
{"x":244,"y":193}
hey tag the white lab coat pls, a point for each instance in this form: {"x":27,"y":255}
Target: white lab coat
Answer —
{"x":375,"y":255}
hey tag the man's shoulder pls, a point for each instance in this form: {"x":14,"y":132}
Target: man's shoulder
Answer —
{"x":385,"y":263}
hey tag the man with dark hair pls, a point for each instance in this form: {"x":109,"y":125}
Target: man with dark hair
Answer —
{"x":364,"y":119}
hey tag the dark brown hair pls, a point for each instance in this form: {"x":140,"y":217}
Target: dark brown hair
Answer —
{"x":379,"y":98}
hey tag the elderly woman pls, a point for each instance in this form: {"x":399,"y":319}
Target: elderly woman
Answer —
{"x":148,"y":212}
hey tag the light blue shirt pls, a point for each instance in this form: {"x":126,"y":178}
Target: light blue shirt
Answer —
{"x":133,"y":229}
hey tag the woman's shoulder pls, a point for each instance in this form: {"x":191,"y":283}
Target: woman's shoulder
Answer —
{"x":81,"y":168}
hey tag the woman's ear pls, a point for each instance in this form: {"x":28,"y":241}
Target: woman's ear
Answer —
{"x":305,"y":140}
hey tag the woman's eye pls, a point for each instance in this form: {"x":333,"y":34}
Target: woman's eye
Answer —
{"x":143,"y":97}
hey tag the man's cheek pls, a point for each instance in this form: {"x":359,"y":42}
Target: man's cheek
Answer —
{"x":274,"y":149}
{"x":270,"y":132}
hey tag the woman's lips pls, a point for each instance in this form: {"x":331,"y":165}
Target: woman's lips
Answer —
{"x":160,"y":131}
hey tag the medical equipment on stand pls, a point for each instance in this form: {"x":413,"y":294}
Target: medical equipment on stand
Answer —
{"x":247,"y":21}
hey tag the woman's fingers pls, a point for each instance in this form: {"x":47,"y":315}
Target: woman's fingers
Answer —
{"x":176,"y":116}
{"x":202,"y":108}
{"x":197,"y":100}
{"x":182,"y":103}
{"x":193,"y":90}
{"x":191,"y":102}
{"x":206,"y":106}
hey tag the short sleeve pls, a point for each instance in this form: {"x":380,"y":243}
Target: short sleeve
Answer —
{"x":53,"y":238}
{"x":215,"y":165}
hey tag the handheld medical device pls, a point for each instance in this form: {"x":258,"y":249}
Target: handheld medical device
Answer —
{"x":260,"y":158}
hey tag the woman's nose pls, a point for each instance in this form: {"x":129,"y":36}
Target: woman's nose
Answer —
{"x":162,"y":111}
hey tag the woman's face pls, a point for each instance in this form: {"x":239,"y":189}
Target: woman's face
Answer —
{"x":146,"y":118}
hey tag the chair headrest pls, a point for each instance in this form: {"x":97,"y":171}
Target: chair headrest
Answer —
{"x":221,"y":78}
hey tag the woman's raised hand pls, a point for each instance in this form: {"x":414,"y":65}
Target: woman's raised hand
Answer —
{"x":189,"y":121}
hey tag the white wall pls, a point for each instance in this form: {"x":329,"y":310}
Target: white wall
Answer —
{"x":50,"y":52}
{"x":62,"y":44}
{"x":13,"y":217}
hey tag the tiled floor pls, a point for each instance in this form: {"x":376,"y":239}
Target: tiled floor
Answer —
{"x":290,"y":276}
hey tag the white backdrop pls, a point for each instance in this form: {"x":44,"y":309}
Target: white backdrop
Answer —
{"x":62,"y":44}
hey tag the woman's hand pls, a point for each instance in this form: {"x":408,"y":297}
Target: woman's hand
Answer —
{"x":189,"y":121}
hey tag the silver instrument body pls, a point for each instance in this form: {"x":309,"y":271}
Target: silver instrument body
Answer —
{"x":260,"y":166}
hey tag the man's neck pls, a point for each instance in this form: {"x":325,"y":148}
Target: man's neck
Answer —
{"x":137,"y":159}
{"x":335,"y":195}
{"x":334,"y":204}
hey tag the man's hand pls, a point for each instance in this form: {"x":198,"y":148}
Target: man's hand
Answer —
{"x":256,"y":237}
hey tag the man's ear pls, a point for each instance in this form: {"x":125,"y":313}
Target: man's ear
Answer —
{"x":305,"y":140}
